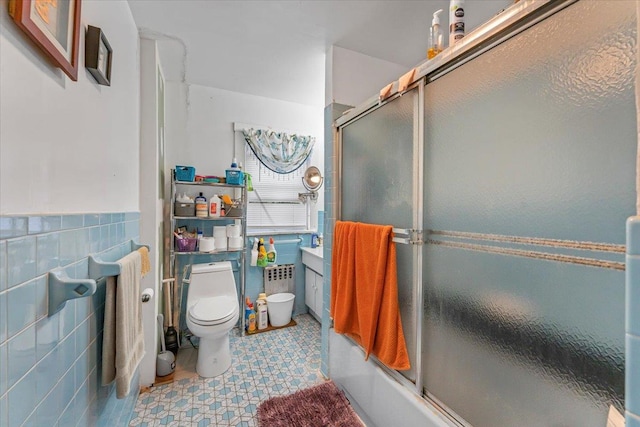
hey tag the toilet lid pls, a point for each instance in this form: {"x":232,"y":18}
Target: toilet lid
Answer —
{"x":213,"y":310}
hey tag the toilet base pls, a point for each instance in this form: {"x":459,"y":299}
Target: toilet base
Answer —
{"x":214,"y":356}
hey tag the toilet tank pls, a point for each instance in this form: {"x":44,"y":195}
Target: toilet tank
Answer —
{"x":211,"y":280}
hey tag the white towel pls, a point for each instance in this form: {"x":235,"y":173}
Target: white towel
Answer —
{"x":123,"y":341}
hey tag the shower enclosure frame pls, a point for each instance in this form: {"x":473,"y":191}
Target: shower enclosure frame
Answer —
{"x":506,"y":25}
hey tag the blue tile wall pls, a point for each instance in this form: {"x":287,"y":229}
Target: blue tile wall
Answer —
{"x":632,"y":321}
{"x":49,"y":366}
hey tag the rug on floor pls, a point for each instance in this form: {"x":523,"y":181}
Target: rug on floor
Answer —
{"x":323,"y":405}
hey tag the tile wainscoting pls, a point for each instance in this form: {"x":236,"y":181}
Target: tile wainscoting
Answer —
{"x":50,"y":366}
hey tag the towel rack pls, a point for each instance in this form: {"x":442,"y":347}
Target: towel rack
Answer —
{"x":62,"y":288}
{"x":407,"y":236}
{"x":104,"y":265}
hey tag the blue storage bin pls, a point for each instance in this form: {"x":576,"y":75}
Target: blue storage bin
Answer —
{"x":185,"y":173}
{"x":235,"y":177}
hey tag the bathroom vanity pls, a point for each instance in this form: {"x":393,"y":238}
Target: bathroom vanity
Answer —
{"x":313,"y":280}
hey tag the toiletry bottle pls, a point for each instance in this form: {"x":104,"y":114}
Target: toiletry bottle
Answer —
{"x":262,"y":254}
{"x":435,"y":36}
{"x":214,"y":206}
{"x":271,"y":253}
{"x":247,"y":310}
{"x":262,"y":313}
{"x":314,"y":240}
{"x":254,"y":253}
{"x":251,"y":324}
{"x":456,"y":21}
{"x":201,"y":206}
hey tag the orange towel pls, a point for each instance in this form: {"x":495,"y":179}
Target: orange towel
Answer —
{"x":364,"y":291}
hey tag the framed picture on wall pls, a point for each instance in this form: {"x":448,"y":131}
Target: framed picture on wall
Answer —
{"x":54,"y":25}
{"x":98,"y":55}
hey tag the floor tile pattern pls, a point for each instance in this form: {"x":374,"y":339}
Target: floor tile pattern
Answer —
{"x":264,"y":365}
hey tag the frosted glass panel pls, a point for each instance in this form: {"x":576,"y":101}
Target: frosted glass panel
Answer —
{"x":529,"y":177}
{"x":377,"y":159}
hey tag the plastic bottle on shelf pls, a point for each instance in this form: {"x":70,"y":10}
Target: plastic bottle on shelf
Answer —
{"x":435,"y":36}
{"x":262,"y":313}
{"x":456,"y":21}
{"x":214,"y":206}
{"x":254,"y":253}
{"x":262,"y":254}
{"x":251,"y":322}
{"x":271,"y":253}
{"x":201,"y":206}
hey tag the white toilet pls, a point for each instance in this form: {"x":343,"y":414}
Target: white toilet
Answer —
{"x":212,"y":311}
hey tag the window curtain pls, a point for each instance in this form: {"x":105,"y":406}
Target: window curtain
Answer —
{"x":279,"y":151}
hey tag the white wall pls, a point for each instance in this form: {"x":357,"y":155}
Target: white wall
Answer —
{"x":202,"y":134}
{"x":352,"y":78}
{"x":67,"y":146}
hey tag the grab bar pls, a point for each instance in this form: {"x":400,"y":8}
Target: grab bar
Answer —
{"x":407,"y":236}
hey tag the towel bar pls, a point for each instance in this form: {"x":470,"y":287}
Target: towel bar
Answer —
{"x":104,"y":265}
{"x":62,"y":288}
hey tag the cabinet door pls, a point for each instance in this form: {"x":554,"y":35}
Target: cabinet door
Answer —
{"x":310,"y":288}
{"x":319,"y":302}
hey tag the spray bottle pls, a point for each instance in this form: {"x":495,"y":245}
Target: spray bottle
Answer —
{"x":271,"y":253}
{"x":262,"y":254}
{"x":435,"y":36}
{"x":254,"y":253}
{"x":456,"y":21}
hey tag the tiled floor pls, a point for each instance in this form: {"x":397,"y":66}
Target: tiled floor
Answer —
{"x":264,"y":365}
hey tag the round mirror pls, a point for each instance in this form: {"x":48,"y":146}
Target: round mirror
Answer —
{"x":312,"y":178}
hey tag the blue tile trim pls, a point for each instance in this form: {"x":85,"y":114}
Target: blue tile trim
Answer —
{"x":632,"y":373}
{"x":632,"y":320}
{"x":632,"y":297}
{"x":632,"y":420}
{"x":633,"y":235}
{"x":12,"y":227}
{"x":43,"y":224}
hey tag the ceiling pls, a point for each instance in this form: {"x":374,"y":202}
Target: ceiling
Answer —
{"x":277,"y":49}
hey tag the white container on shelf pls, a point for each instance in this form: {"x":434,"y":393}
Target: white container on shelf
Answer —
{"x":236,"y":242}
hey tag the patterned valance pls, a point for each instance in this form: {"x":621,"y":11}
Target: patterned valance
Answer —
{"x":278,"y":151}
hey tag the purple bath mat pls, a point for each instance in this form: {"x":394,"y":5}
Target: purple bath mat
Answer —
{"x":323,"y":405}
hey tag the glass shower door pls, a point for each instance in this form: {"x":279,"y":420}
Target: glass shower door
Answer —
{"x":530,"y":153}
{"x":379,"y":187}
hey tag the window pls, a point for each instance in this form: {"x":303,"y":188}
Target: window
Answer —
{"x":273,"y":203}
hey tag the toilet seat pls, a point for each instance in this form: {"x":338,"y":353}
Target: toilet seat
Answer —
{"x":213,"y":310}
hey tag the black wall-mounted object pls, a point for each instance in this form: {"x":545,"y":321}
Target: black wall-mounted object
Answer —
{"x":98,"y":55}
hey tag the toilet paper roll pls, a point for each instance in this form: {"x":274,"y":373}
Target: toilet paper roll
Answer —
{"x":235,"y":242}
{"x":220,"y":231}
{"x":221,"y":243}
{"x":207,"y":244}
{"x":233,"y":230}
{"x":147,"y":295}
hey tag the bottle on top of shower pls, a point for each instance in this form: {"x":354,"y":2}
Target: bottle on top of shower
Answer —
{"x":456,"y":21}
{"x":435,"y":36}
